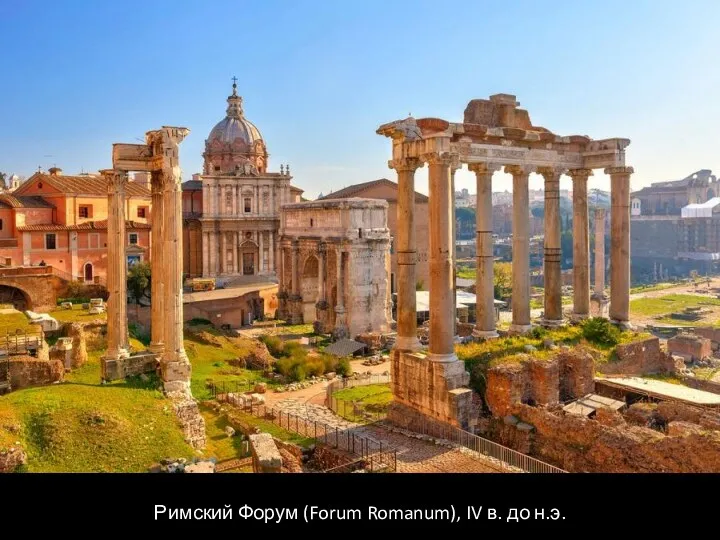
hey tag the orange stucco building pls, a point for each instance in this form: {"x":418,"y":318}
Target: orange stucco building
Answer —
{"x":61,"y":221}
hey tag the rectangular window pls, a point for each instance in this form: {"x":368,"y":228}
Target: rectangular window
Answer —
{"x":248,"y":206}
{"x":142,"y":212}
{"x":1,"y":225}
{"x":133,"y":237}
{"x":85,"y":212}
{"x":50,"y":241}
{"x":94,"y":240}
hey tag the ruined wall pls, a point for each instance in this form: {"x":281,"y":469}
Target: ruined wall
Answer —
{"x":325,"y":457}
{"x":28,"y":371}
{"x":577,"y":373}
{"x":425,"y":388}
{"x":708,"y":332}
{"x":689,"y":346}
{"x":639,"y":358}
{"x":85,"y":336}
{"x":265,"y":453}
{"x":11,"y":459}
{"x":579,"y":444}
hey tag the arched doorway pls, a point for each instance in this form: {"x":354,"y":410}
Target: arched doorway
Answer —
{"x":88,"y":272}
{"x":248,"y":258}
{"x":14,"y":297}
{"x":309,"y":288}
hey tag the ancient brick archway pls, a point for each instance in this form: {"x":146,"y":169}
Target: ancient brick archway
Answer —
{"x":38,"y":286}
{"x":14,"y":296}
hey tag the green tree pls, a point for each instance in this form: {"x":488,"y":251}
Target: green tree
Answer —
{"x":138,"y":281}
{"x":502,"y":279}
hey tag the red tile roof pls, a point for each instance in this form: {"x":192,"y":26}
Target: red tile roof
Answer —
{"x":87,"y":226}
{"x":92,"y":185}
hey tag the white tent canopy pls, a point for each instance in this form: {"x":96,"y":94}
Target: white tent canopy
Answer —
{"x":700,"y":210}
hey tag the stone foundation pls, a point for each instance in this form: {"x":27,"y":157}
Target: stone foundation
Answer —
{"x":689,"y":347}
{"x":29,"y":371}
{"x":532,"y":381}
{"x":191,"y":421}
{"x":295,"y":310}
{"x":265,"y":453}
{"x":577,"y":373}
{"x":424,"y":388}
{"x":135,"y":364}
{"x":639,"y":358}
{"x":322,"y":324}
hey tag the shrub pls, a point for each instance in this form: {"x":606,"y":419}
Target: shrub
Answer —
{"x":343,"y":367}
{"x":330,"y":362}
{"x":601,"y":332}
{"x":538,"y":332}
{"x":274,"y":345}
{"x":197,"y":321}
{"x":297,"y":373}
{"x":314,"y":367}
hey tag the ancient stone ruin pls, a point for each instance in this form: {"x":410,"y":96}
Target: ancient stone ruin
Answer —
{"x":495,"y":133}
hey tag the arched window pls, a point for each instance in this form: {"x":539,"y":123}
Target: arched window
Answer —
{"x":88,"y":272}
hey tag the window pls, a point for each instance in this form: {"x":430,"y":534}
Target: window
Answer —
{"x":248,"y":206}
{"x":311,"y":222}
{"x":94,"y":240}
{"x":0,"y":224}
{"x":142,"y":212}
{"x":85,"y":212}
{"x":133,"y":237}
{"x":217,"y":168}
{"x":50,"y":241}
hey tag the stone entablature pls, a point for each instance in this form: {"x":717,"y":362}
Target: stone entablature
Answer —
{"x":334,"y":266}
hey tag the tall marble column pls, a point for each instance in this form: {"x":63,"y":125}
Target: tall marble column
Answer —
{"x":405,"y":244}
{"x":520,"y":249}
{"x":341,"y":329}
{"x":454,"y":166}
{"x":552,"y":249}
{"x":205,"y":253}
{"x":599,"y":289}
{"x":157,"y":264}
{"x":442,"y":347}
{"x":484,"y":278}
{"x":620,"y":244}
{"x":117,"y":328}
{"x":294,"y":263}
{"x":581,"y":244}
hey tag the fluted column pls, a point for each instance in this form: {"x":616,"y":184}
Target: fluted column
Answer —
{"x":620,"y":244}
{"x":552,"y":249}
{"x":484,"y":278}
{"x":236,"y":260}
{"x":520,"y":249}
{"x":454,"y":166}
{"x":117,"y":340}
{"x":157,"y":265}
{"x":271,"y":251}
{"x":442,"y":347}
{"x":581,"y":244}
{"x":406,"y":248}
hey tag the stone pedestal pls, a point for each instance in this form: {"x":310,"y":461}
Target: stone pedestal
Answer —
{"x":322,"y":324}
{"x":295,"y":309}
{"x":423,"y":389}
{"x":599,"y":304}
{"x":283,"y":311}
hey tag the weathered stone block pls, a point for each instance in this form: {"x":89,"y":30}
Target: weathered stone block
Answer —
{"x":689,"y":346}
{"x":266,"y":456}
{"x":175,"y":371}
{"x":29,"y":371}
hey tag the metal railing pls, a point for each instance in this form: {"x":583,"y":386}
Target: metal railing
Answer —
{"x":511,"y":459}
{"x":21,"y":342}
{"x":352,"y":410}
{"x":382,"y":462}
{"x":341,"y":439}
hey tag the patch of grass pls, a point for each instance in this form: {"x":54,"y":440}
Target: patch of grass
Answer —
{"x":650,"y":288}
{"x":276,"y":431}
{"x":10,"y":322}
{"x":219,"y":445}
{"x":372,"y":398}
{"x":210,"y":353}
{"x":464,"y":272}
{"x":669,"y":303}
{"x":76,"y":314}
{"x":83,"y":426}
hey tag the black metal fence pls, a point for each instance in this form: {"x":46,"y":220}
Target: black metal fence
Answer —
{"x":352,"y":410}
{"x":382,"y":462}
{"x":217,"y":390}
{"x":347,"y":440}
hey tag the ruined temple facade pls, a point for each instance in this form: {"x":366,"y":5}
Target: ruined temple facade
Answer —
{"x":335,"y":266}
{"x":495,"y":133}
{"x":232,"y":211}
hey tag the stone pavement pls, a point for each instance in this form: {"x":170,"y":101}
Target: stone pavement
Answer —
{"x":413,"y":455}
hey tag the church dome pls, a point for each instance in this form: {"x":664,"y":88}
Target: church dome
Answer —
{"x":234,"y":143}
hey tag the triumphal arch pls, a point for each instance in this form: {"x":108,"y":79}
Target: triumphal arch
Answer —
{"x":159,"y":156}
{"x":494,"y":134}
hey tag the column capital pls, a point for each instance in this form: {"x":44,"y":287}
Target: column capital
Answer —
{"x":484,"y":168}
{"x":435,"y":158}
{"x":580,"y":173}
{"x":619,"y":171}
{"x":410,"y":164}
{"x":550,"y":173}
{"x":116,"y":179}
{"x":519,"y":170}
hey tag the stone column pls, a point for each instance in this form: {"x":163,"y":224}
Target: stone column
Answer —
{"x":600,"y":252}
{"x":223,"y":252}
{"x":406,"y":316}
{"x":205,"y":254}
{"x":620,"y":244}
{"x":117,"y":328}
{"x":341,"y":329}
{"x":294,"y":266}
{"x":552,"y":252}
{"x":581,"y":244}
{"x":322,"y":295}
{"x":484,"y":278}
{"x":261,"y":251}
{"x":271,"y":251}
{"x":157,"y":265}
{"x":520,"y":249}
{"x":454,"y":166}
{"x":236,"y":260}
{"x":442,"y":346}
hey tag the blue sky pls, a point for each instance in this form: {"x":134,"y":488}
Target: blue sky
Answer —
{"x":318,"y":77}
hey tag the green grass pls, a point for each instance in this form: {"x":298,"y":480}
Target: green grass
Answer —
{"x":9,"y":322}
{"x":76,"y":314}
{"x":650,"y":288}
{"x":276,"y":431}
{"x":466,"y":273}
{"x":83,"y":426}
{"x":210,"y":353}
{"x":670,"y":303}
{"x":219,"y":445}
{"x":372,"y":398}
